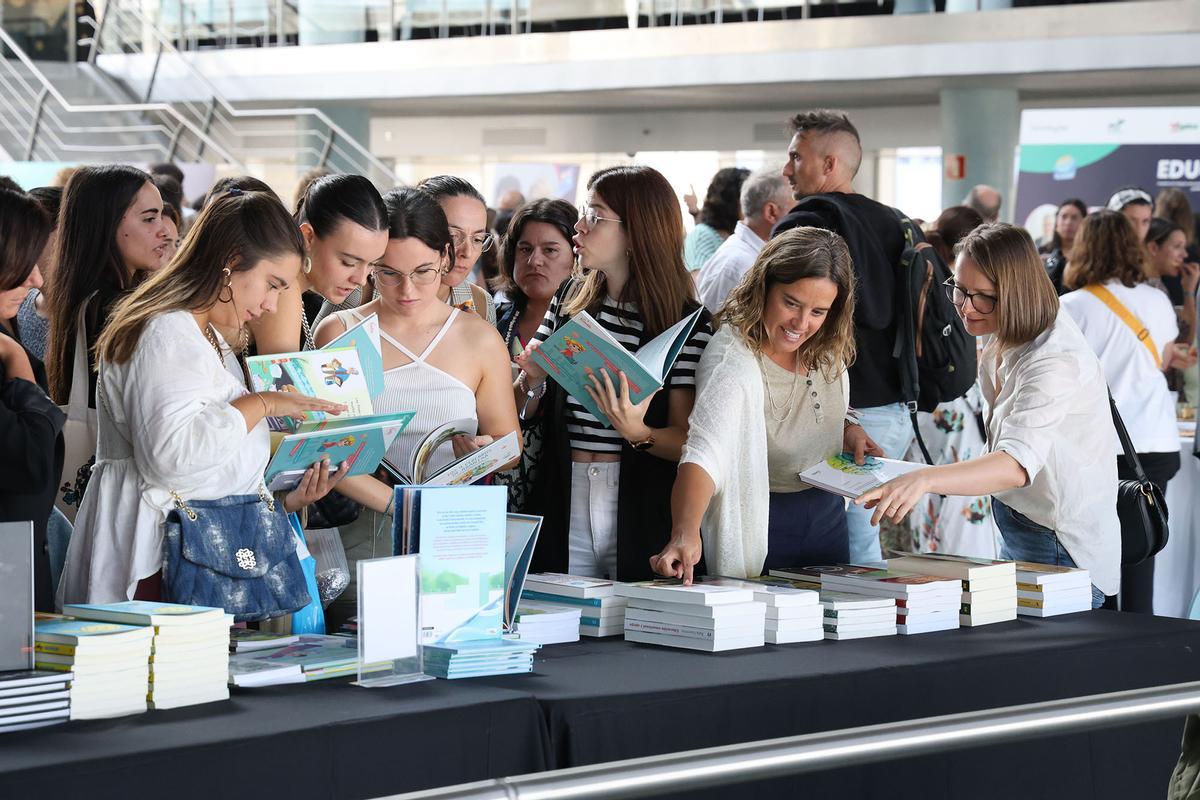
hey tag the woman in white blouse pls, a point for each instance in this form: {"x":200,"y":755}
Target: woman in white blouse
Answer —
{"x":174,"y":412}
{"x":1048,"y":420}
{"x":771,"y":401}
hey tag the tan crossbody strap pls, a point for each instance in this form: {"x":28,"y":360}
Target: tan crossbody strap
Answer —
{"x":1135,"y":324}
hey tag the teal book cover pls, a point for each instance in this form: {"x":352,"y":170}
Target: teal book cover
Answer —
{"x":582,"y":344}
{"x":337,"y":375}
{"x":364,"y":338}
{"x":76,"y":629}
{"x":361,"y":443}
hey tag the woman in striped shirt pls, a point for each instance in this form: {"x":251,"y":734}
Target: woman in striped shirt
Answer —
{"x":613,"y":510}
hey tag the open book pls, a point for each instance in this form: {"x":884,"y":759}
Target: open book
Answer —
{"x":519,"y":542}
{"x":582,"y":344}
{"x":466,"y":470}
{"x":360,"y":444}
{"x":348,"y":370}
{"x":840,"y":475}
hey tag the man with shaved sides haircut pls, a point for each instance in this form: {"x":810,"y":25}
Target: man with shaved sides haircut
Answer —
{"x":823,"y":157}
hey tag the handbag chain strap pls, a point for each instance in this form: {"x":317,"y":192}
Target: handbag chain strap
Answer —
{"x":263,"y":495}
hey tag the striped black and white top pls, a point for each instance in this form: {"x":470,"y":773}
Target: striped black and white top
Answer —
{"x":625,"y":324}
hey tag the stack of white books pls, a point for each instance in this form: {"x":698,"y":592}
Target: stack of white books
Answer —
{"x":705,"y":616}
{"x":547,"y":623}
{"x":189,"y":664}
{"x":793,"y":614}
{"x":989,"y":588}
{"x":602,"y":613}
{"x":924,"y":603}
{"x":33,"y":699}
{"x":856,"y":616}
{"x":1044,"y":590}
{"x":109,"y":664}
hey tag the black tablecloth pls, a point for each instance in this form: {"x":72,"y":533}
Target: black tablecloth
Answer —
{"x":608,"y":700}
{"x":603,"y":700}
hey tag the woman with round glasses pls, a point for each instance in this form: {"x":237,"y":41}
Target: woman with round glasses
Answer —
{"x":1047,"y":414}
{"x":604,"y":490}
{"x":443,"y":364}
{"x":466,"y":213}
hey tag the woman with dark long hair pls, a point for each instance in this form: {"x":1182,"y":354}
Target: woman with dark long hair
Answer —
{"x":175,"y":414}
{"x":1056,"y":254}
{"x":604,"y":491}
{"x":718,"y":216}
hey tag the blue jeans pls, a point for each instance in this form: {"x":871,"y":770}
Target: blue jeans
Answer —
{"x":1025,"y":540}
{"x":891,"y":429}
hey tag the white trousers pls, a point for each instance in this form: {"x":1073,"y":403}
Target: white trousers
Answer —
{"x":592,"y":544}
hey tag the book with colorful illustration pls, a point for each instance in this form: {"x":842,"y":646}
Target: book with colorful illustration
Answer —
{"x":581,"y":344}
{"x":840,"y":475}
{"x":358,"y":443}
{"x":471,"y":468}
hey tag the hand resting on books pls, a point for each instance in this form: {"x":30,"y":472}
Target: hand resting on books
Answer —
{"x":290,"y":404}
{"x":317,"y":482}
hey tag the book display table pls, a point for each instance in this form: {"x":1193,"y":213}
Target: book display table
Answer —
{"x":599,"y":700}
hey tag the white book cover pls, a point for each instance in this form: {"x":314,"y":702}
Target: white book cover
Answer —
{"x":840,"y":475}
{"x":686,"y":643}
{"x":752,"y":619}
{"x":1054,"y":612}
{"x":859,"y":633}
{"x":815,"y":612}
{"x":795,"y":624}
{"x":568,"y":585}
{"x":795,"y":637}
{"x":975,"y":620}
{"x":673,"y":591}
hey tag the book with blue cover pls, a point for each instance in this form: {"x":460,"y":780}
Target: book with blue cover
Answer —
{"x":146,"y":612}
{"x":359,"y":443}
{"x":90,"y":634}
{"x":582,"y":344}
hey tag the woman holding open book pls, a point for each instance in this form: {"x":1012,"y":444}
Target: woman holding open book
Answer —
{"x":1054,"y":493}
{"x":603,"y":489}
{"x":442,"y":363}
{"x":175,"y":418}
{"x":772,"y":400}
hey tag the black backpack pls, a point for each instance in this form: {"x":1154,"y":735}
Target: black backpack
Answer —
{"x":935,"y":353}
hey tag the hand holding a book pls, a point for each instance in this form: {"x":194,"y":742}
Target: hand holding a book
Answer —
{"x":317,"y":482}
{"x":465,"y":445}
{"x":680,"y":556}
{"x":290,"y":404}
{"x":627,"y":418}
{"x":533,"y":370}
{"x":859,"y":444}
{"x":898,"y":496}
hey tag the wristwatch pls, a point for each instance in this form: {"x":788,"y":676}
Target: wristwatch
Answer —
{"x":644,"y":444}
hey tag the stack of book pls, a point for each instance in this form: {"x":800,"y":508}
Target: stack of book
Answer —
{"x":547,"y":623}
{"x":109,"y":664}
{"x":33,"y":699}
{"x":924,"y":603}
{"x":856,"y":616}
{"x":245,"y":640}
{"x":602,"y":613}
{"x":705,"y":616}
{"x":189,"y":662}
{"x":1044,"y":590}
{"x":309,"y":658}
{"x":478,"y":658}
{"x":989,"y":588}
{"x":794,"y":614}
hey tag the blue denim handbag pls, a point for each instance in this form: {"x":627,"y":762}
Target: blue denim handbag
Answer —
{"x":236,"y":553}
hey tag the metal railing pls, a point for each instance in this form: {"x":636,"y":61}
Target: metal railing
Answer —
{"x":47,"y":127}
{"x":740,"y":763}
{"x":254,"y":135}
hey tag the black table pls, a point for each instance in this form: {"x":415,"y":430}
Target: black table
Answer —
{"x":602,"y":700}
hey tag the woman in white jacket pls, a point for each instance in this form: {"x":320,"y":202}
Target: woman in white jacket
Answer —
{"x":771,"y":401}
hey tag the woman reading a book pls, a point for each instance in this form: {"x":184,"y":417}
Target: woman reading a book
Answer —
{"x":175,"y":415}
{"x":344,"y":225}
{"x":536,"y":259}
{"x":772,"y":400}
{"x":466,"y":213}
{"x":443,"y":364}
{"x":1054,"y":491}
{"x":603,"y":490}
{"x":30,"y":424}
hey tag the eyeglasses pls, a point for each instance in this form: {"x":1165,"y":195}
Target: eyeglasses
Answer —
{"x":480,"y":241}
{"x":983,"y":303}
{"x":385,"y":276}
{"x":590,"y":217}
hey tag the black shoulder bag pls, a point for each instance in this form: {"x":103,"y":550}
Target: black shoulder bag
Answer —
{"x":1140,"y":506}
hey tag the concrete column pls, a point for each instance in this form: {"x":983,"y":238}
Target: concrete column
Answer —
{"x":981,"y":126}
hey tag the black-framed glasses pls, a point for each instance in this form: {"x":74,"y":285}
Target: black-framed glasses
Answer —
{"x":480,"y":241}
{"x":386,"y":276}
{"x":590,"y":217}
{"x":983,"y":303}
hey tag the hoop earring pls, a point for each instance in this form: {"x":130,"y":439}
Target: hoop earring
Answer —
{"x":307,"y":264}
{"x":227,"y":287}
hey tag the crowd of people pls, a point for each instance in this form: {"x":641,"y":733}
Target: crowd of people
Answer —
{"x":126,"y":319}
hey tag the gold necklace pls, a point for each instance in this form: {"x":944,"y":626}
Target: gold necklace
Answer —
{"x":211,"y":335}
{"x":781,"y":412}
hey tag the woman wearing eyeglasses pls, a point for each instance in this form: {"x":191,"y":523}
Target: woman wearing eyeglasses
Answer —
{"x":442,"y":363}
{"x":605,"y":491}
{"x":466,"y":212}
{"x":1048,"y":419}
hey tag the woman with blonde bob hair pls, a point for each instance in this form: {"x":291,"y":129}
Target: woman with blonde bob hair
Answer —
{"x":1054,"y":497}
{"x":772,"y":394}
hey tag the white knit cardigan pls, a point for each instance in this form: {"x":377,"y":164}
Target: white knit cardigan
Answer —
{"x":727,"y":438}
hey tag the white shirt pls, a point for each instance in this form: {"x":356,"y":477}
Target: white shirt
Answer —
{"x":165,"y":423}
{"x":1046,"y":405}
{"x":1137,"y":384}
{"x":725,"y":268}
